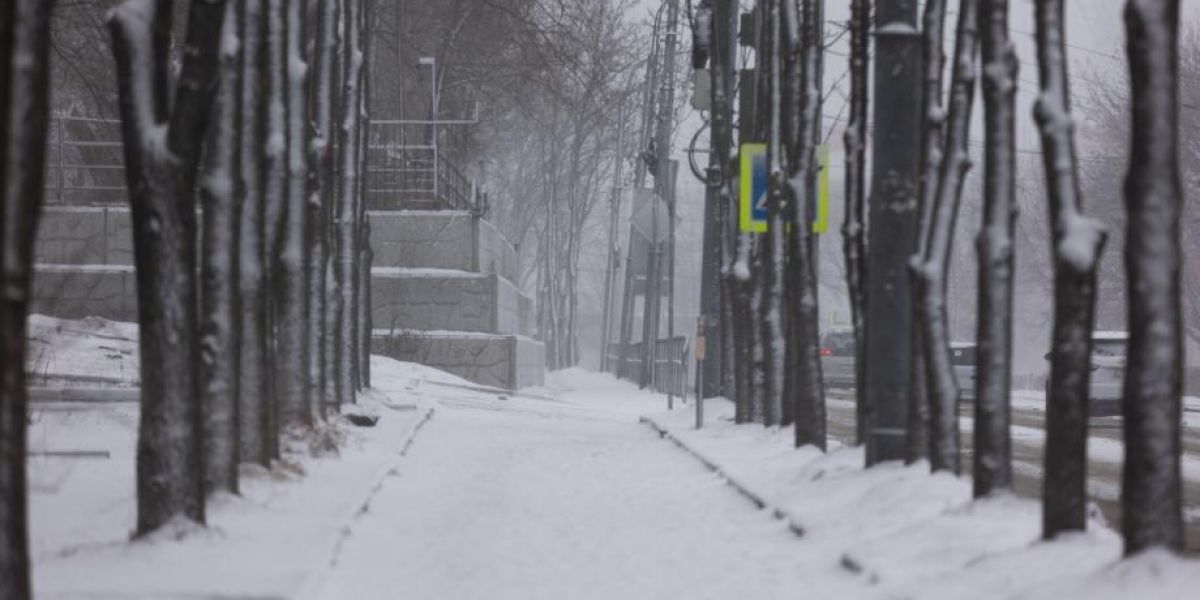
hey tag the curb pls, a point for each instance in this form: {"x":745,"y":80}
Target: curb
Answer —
{"x":741,"y":488}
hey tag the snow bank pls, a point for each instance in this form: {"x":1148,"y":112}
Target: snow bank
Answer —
{"x":273,"y":540}
{"x":912,"y":534}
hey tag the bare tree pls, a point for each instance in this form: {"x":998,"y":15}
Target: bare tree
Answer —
{"x":993,"y":371}
{"x":1152,"y":489}
{"x":253,"y":404}
{"x":320,"y":200}
{"x":932,"y":272}
{"x":24,"y":111}
{"x":162,"y":154}
{"x":854,"y":224}
{"x":933,"y":126}
{"x":772,"y":274}
{"x":804,"y":39}
{"x":295,"y":402}
{"x":219,"y":306}
{"x":1078,"y":242}
{"x":348,"y":147}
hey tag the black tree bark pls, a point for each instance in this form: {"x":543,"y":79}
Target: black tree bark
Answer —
{"x":1077,"y":243}
{"x":993,"y":358}
{"x":1151,"y":491}
{"x":854,"y":225}
{"x":932,"y":272}
{"x":162,"y":155}
{"x":24,"y":110}
{"x":252,"y":378}
{"x":933,"y":125}
{"x":219,"y":306}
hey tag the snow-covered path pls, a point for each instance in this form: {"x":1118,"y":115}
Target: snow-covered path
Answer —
{"x":526,"y":498}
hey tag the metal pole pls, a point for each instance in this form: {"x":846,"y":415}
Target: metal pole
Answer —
{"x":662,"y":178}
{"x":897,"y":129}
{"x":614,"y":249}
{"x":62,"y":158}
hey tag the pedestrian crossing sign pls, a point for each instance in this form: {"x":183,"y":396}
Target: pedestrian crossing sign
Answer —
{"x":752,"y":216}
{"x":752,"y":199}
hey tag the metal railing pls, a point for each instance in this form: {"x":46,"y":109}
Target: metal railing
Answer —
{"x":405,"y":169}
{"x":84,"y":162}
{"x":670,"y":373}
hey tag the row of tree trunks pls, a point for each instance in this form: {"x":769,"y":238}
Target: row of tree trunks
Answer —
{"x":24,"y":112}
{"x":163,"y":142}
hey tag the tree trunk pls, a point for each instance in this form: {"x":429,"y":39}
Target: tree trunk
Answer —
{"x":295,"y":403}
{"x":723,"y":62}
{"x":1151,"y":491}
{"x":365,"y":254}
{"x":275,"y":183}
{"x":933,"y":270}
{"x":24,"y":112}
{"x":346,"y":207}
{"x":252,"y":376}
{"x":220,"y":309}
{"x":162,"y":184}
{"x":771,"y":314}
{"x":933,"y":124}
{"x":804,"y":35}
{"x":1077,"y":244}
{"x":854,"y":223}
{"x":993,"y":358}
{"x":320,"y":199}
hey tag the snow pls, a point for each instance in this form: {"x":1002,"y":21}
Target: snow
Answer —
{"x":423,"y":272}
{"x":562,"y":491}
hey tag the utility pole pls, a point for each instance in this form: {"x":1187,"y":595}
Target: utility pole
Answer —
{"x":663,"y":188}
{"x":897,"y":127}
{"x":614,"y":244}
{"x":624,"y":365}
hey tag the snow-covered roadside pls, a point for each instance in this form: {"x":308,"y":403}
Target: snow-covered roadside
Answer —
{"x":918,"y":535}
{"x":267,"y":542}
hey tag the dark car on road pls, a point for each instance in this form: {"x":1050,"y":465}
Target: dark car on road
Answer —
{"x":837,"y":358}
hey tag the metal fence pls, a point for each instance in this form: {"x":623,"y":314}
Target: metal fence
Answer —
{"x":405,"y":170}
{"x":670,"y":364}
{"x":84,"y":162}
{"x":85,"y":166}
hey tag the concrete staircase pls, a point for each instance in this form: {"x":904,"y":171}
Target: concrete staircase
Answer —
{"x":442,"y":291}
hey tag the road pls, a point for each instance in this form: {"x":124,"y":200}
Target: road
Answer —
{"x":1104,"y":464}
{"x":541,"y":499}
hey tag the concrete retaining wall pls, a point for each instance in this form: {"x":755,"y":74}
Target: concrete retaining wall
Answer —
{"x":84,"y":236}
{"x":441,"y":239}
{"x":504,"y":361}
{"x":75,"y":292}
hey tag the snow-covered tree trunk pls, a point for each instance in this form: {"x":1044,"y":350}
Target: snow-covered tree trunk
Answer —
{"x":346,"y":202}
{"x":275,"y":183}
{"x":320,"y":200}
{"x":993,"y":358}
{"x":252,"y":376}
{"x":365,"y":254}
{"x":854,"y":224}
{"x":803,"y":36}
{"x":933,"y":268}
{"x":723,"y":73}
{"x":219,"y":305}
{"x":771,"y":315}
{"x":292,"y":359}
{"x":933,"y":122}
{"x":1077,"y":244}
{"x":162,"y":141}
{"x":24,"y":111}
{"x":1152,"y":486}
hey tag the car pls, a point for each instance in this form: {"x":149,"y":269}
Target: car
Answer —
{"x":837,"y":358}
{"x":1108,"y":373}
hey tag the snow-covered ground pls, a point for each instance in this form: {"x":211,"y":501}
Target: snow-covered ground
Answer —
{"x":584,"y":488}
